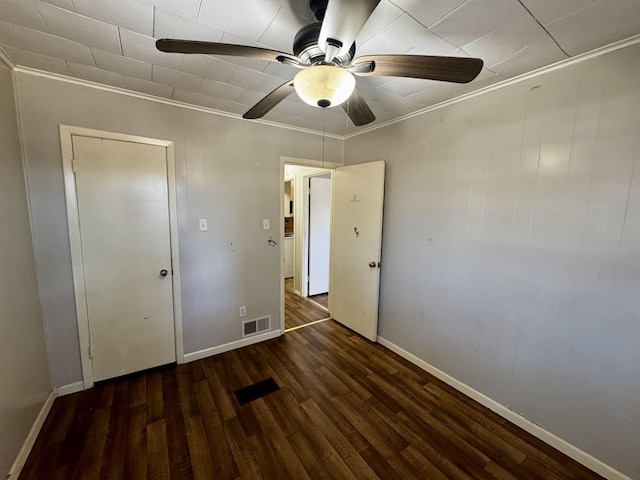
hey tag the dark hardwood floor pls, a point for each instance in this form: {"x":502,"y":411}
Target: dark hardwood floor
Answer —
{"x":298,"y":310}
{"x":321,"y":299}
{"x":347,"y":409}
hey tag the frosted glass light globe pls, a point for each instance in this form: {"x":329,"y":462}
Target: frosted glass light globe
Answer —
{"x":324,"y":85}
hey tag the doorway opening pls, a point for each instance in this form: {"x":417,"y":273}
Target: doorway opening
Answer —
{"x":356,"y":244}
{"x":306,"y":206}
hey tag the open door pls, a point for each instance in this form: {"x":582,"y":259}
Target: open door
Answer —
{"x":356,"y":241}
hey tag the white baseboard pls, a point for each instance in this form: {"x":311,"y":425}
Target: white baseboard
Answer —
{"x":69,"y":389}
{"x":16,"y":468}
{"x":535,"y":430}
{"x":207,"y":352}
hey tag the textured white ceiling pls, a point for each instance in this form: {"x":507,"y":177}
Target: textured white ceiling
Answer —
{"x":112,"y":42}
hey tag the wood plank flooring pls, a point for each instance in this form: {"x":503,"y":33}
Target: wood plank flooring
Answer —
{"x":347,"y":409}
{"x":322,"y":299}
{"x":298,"y":310}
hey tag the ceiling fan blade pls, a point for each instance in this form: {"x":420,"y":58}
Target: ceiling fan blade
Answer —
{"x":272,"y":99}
{"x":343,"y":20}
{"x":446,"y":69}
{"x":358,"y":110}
{"x":212,"y":48}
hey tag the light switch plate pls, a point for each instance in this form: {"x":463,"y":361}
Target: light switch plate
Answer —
{"x":265,"y":224}
{"x":203,"y":225}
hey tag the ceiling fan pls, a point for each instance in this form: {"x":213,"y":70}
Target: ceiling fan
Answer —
{"x":324,"y":52}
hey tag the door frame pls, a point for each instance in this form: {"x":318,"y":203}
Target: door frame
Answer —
{"x":301,"y":162}
{"x":66,"y":134}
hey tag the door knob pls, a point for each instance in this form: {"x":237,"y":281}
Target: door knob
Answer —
{"x":372,"y":264}
{"x":163,"y":273}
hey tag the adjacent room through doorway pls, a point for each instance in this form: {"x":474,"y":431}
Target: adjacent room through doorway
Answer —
{"x":307,"y":240}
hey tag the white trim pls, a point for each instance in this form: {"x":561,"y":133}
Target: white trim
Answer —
{"x":75,"y":387}
{"x":175,"y":252}
{"x":76,"y":255}
{"x":535,"y":430}
{"x":20,"y":460}
{"x":319,"y":305}
{"x":307,"y":162}
{"x":298,"y":327}
{"x":505,"y":83}
{"x":208,"y":352}
{"x":66,"y":133}
{"x":549,"y":68}
{"x":4,"y":56}
{"x":69,"y":389}
{"x":302,"y":235}
{"x":167,"y":101}
{"x":281,"y":241}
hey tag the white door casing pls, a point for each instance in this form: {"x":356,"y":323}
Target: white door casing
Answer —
{"x":358,"y":196}
{"x":319,"y":234}
{"x":123,"y":232}
{"x":298,"y":214}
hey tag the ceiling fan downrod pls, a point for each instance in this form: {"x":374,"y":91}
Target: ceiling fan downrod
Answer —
{"x":305,"y":47}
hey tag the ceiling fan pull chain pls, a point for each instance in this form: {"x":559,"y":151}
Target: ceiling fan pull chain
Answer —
{"x":324,"y":113}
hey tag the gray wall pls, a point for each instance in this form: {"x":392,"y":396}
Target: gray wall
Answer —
{"x":24,"y":377}
{"x":511,"y":249}
{"x":227,"y":172}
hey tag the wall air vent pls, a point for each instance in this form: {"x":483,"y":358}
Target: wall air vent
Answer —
{"x":255,"y":326}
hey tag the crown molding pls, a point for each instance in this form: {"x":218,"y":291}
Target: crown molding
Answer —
{"x":166,"y":101}
{"x":4,"y":57}
{"x":496,"y":86}
{"x":505,"y":83}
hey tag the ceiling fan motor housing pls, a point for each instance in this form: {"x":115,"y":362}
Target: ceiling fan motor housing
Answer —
{"x":318,"y":7}
{"x":305,"y":46}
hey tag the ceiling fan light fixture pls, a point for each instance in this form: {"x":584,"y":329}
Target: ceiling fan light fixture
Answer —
{"x":324,"y":85}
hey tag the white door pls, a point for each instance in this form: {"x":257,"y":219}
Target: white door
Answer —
{"x":123,"y":213}
{"x":319,"y":234}
{"x":358,"y":196}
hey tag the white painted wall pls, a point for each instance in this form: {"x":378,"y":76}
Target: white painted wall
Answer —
{"x":511,"y":249}
{"x":511,"y":243}
{"x":24,"y":377}
{"x":228,"y":171}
